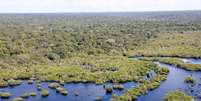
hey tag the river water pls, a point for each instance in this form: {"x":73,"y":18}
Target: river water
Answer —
{"x":175,"y":81}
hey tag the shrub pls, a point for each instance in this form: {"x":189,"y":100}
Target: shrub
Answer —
{"x":53,"y":56}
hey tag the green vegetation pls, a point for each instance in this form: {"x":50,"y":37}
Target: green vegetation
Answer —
{"x":172,"y":45}
{"x":5,"y":95}
{"x":177,"y":96}
{"x":13,"y":82}
{"x":190,"y":80}
{"x":94,"y":48}
{"x":27,"y":40}
{"x":143,"y":87}
{"x":108,"y":89}
{"x":75,"y":92}
{"x":32,"y":94}
{"x":44,"y":93}
{"x":98,"y":98}
{"x":118,"y":86}
{"x":177,"y":62}
{"x":25,"y":95}
{"x":30,"y":82}
{"x":3,"y":83}
{"x":53,"y":85}
{"x":18,"y":99}
{"x":82,"y":69}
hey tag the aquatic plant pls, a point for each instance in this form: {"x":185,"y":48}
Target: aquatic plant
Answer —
{"x":108,"y":89}
{"x":17,"y":99}
{"x":25,"y":95}
{"x":32,"y":94}
{"x":12,"y":82}
{"x":38,"y":85}
{"x":59,"y":89}
{"x":61,"y":82}
{"x":118,"y":86}
{"x":190,"y":80}
{"x":64,"y":92}
{"x":44,"y":93}
{"x":177,"y":96}
{"x":39,"y":88}
{"x":53,"y":85}
{"x":5,"y":95}
{"x":75,"y":92}
{"x":38,"y":81}
{"x":98,"y":98}
{"x":30,"y":82}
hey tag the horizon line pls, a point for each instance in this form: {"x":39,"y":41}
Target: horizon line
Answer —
{"x":97,"y":12}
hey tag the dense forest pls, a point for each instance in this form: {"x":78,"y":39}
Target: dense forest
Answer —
{"x":42,"y":38}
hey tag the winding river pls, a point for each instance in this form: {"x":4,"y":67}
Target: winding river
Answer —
{"x":89,"y":92}
{"x":175,"y":81}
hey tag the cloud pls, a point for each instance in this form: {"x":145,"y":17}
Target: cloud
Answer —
{"x":96,"y":5}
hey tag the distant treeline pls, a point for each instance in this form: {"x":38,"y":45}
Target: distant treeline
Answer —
{"x":37,"y":38}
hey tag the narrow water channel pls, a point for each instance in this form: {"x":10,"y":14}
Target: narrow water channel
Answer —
{"x":175,"y":81}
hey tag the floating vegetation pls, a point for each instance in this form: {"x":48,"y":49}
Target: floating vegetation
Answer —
{"x":53,"y":85}
{"x":190,"y":80}
{"x":44,"y":93}
{"x":64,"y":92}
{"x":118,"y":87}
{"x":30,"y":82}
{"x":33,"y":94}
{"x":5,"y":95}
{"x":17,"y":99}
{"x":25,"y":95}
{"x":39,"y":88}
{"x":75,"y":92}
{"x":61,"y":82}
{"x":98,"y":98}
{"x":108,"y":89}
{"x":13,"y":82}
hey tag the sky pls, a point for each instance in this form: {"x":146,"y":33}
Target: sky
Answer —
{"x":37,"y":6}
